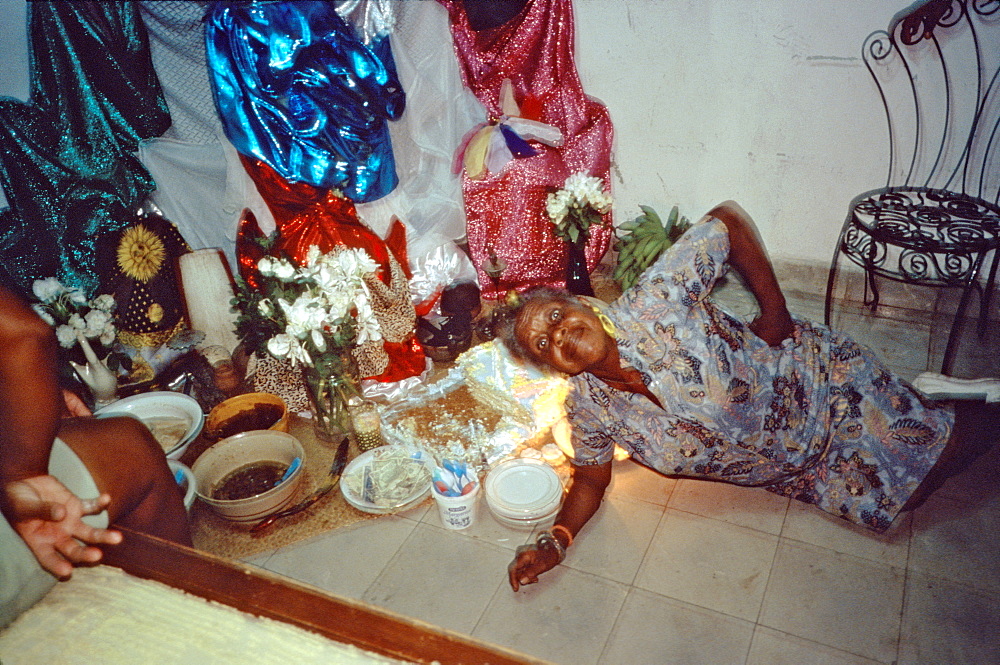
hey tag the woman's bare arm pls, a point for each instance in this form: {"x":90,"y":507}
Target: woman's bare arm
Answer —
{"x":749,"y":258}
{"x":582,"y":501}
{"x":30,"y":397}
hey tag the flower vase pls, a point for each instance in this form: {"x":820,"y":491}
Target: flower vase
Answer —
{"x":577,"y":275}
{"x":330,"y":384}
{"x":102,"y":381}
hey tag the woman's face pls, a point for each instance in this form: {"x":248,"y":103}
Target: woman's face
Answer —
{"x":565,"y":336}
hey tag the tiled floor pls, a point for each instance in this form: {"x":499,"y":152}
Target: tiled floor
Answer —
{"x":681,"y":571}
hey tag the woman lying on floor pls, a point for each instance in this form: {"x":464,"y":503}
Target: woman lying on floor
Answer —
{"x":689,"y":391}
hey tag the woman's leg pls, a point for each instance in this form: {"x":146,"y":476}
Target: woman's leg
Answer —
{"x":128,"y":463}
{"x":977,"y":429}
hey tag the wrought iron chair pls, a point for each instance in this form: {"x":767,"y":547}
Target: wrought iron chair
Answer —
{"x":936,"y":222}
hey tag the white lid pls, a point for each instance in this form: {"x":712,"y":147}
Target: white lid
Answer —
{"x":523,"y":488}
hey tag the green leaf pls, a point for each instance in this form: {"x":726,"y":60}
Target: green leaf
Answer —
{"x":672,"y":218}
{"x":649,"y":212}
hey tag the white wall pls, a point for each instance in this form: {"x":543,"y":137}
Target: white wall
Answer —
{"x":14,"y":47}
{"x":763,"y":101}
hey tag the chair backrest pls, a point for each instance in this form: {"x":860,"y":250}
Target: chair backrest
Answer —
{"x":937,"y":69}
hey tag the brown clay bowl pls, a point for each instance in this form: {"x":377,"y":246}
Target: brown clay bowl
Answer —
{"x":244,"y":413}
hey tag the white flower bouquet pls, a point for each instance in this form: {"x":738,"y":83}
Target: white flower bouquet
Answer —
{"x":307,"y":313}
{"x":580,"y":203}
{"x":73,"y":315}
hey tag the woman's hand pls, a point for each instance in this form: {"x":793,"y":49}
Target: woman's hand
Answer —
{"x":775,"y":328}
{"x":47,"y":517}
{"x":582,"y":501}
{"x":529,"y":562}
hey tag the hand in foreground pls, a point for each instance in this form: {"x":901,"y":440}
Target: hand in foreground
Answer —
{"x":529,"y":562}
{"x":47,"y":517}
{"x":773,"y":329}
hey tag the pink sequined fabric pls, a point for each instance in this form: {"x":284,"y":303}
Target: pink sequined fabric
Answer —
{"x":505,"y":211}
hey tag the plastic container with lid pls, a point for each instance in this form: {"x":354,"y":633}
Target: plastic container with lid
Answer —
{"x":523,"y":492}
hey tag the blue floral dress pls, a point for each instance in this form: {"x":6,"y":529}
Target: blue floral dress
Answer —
{"x":819,"y":419}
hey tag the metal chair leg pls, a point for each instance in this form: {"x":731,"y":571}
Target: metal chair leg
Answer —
{"x":832,"y":276}
{"x":956,"y":324}
{"x":986,"y":299}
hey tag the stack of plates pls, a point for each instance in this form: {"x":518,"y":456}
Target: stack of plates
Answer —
{"x":523,"y":493}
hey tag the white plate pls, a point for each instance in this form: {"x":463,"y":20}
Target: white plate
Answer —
{"x":357,"y":466}
{"x":174,"y":418}
{"x":523,"y":488}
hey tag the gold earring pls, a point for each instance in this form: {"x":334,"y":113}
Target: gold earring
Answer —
{"x":606,"y":323}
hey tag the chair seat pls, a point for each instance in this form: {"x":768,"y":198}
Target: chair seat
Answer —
{"x":941,"y":236}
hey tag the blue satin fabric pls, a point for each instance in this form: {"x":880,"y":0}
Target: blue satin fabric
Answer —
{"x":298,"y":90}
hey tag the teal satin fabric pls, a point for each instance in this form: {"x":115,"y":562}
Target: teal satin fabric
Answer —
{"x":66,"y":157}
{"x":297,"y":89}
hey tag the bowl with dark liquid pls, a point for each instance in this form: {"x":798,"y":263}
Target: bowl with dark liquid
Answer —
{"x":244,"y":413}
{"x":241,"y":476}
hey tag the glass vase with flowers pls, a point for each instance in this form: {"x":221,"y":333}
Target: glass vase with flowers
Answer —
{"x":313,"y":315}
{"x":573,"y":209}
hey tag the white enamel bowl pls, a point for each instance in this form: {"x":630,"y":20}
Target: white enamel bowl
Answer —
{"x":527,"y":524}
{"x":174,"y":419}
{"x":240,"y":450}
{"x":523,"y":493}
{"x":185,"y":480}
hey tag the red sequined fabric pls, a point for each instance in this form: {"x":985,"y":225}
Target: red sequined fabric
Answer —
{"x":307,"y":216}
{"x":506,"y":211}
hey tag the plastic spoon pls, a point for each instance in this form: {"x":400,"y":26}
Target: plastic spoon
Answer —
{"x":457,"y":469}
{"x":296,"y":463}
{"x":448,"y":479}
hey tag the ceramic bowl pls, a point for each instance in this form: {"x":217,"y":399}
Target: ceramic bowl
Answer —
{"x":185,"y":479}
{"x":242,"y":413}
{"x":238,"y":451}
{"x":527,"y":524}
{"x":174,"y":419}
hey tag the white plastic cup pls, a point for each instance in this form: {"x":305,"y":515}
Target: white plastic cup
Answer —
{"x":457,"y":512}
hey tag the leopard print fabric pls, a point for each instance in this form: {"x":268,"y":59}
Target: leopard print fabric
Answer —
{"x":395,"y":313}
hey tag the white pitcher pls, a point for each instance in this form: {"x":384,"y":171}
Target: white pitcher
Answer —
{"x":102,"y":381}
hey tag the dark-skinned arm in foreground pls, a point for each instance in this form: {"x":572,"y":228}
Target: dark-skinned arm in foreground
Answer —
{"x":582,"y":501}
{"x":127,"y":464}
{"x":43,"y":512}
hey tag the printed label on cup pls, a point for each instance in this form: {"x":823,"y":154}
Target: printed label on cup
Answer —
{"x":457,"y":512}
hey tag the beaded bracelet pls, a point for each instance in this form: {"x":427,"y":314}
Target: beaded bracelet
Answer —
{"x":546,"y":539}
